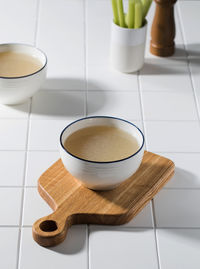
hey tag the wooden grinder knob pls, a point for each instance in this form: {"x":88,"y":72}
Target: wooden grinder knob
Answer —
{"x":163,"y":29}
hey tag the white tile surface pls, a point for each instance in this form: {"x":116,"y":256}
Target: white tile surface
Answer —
{"x":119,"y":104}
{"x":72,"y":80}
{"x":58,"y":105}
{"x":71,"y":253}
{"x":10,"y":203}
{"x":98,"y":20}
{"x":18,"y":19}
{"x":8,"y":247}
{"x":173,"y":136}
{"x":177,"y":208}
{"x":13,"y":134}
{"x":15,"y":111}
{"x":44,"y":134}
{"x":34,"y":206}
{"x":195,"y":71}
{"x":143,"y":219}
{"x":167,"y":78}
{"x":12,"y":168}
{"x":122,"y":249}
{"x":37,"y":163}
{"x":187,"y":170}
{"x":179,"y":248}
{"x":63,"y":42}
{"x":189,"y":13}
{"x":169,"y":106}
{"x":112,"y":80}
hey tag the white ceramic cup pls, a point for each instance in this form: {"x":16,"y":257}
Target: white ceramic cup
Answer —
{"x":101,"y":175}
{"x":16,"y":90}
{"x":127,"y":48}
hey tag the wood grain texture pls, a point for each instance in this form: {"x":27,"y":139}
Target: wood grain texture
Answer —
{"x":163,"y":29}
{"x":74,"y":204}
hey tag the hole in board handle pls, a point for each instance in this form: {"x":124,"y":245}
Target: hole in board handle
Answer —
{"x":48,"y":226}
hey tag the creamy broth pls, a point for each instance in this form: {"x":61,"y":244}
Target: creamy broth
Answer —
{"x":101,"y":143}
{"x":14,"y":64}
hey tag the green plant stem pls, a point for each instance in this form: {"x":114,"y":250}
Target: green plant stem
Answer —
{"x":121,"y":13}
{"x":115,"y":12}
{"x":131,"y":14}
{"x":138,"y":14}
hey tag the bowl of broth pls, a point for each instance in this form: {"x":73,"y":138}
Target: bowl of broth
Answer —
{"x":101,"y":151}
{"x":22,"y":72}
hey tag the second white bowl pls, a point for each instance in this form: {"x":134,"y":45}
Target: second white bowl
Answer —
{"x":16,"y":90}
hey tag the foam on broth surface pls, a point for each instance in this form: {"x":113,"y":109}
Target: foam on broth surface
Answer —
{"x":101,"y":143}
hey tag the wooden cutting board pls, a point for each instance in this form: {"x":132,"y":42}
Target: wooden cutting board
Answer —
{"x":74,"y":204}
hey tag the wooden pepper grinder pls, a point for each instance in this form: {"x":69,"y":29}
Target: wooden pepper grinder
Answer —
{"x":163,"y":29}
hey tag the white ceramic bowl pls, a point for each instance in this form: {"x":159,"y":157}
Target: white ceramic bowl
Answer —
{"x":101,"y":175}
{"x":16,"y":90}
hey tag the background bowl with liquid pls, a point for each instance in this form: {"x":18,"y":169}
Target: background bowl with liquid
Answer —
{"x":17,"y":89}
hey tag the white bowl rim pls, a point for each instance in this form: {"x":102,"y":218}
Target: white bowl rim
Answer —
{"x":27,"y":45}
{"x":108,"y":117}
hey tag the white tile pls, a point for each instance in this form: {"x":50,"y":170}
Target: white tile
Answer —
{"x":187,"y":170}
{"x":189,"y":13}
{"x":58,"y":105}
{"x":34,"y":206}
{"x":37,"y":163}
{"x":169,"y":106}
{"x":143,"y":219}
{"x":106,"y":78}
{"x":178,"y":58}
{"x":195,"y":71}
{"x":45,"y":134}
{"x":73,"y":79}
{"x":18,"y":19}
{"x":72,"y":253}
{"x":15,"y":111}
{"x":177,"y":208}
{"x":173,"y":136}
{"x":119,"y":104}
{"x":12,"y":168}
{"x":8,"y":247}
{"x":98,"y":20}
{"x":168,"y":78}
{"x":10,"y":202}
{"x":13,"y":134}
{"x":122,"y":248}
{"x":179,"y":248}
{"x":61,"y":36}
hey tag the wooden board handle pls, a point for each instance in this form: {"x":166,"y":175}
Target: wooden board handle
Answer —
{"x":51,"y":230}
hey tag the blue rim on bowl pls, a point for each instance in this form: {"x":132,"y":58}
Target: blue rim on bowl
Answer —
{"x":108,"y":117}
{"x":27,"y":45}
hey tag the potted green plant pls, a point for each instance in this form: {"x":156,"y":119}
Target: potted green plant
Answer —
{"x":128,"y":35}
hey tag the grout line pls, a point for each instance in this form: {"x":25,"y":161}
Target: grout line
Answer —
{"x":142,"y":108}
{"x":188,"y":62}
{"x":22,"y":199}
{"x":155,"y":234}
{"x":86,"y":100}
{"x":26,"y":154}
{"x":37,"y":21}
{"x":85,"y":57}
